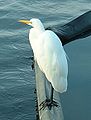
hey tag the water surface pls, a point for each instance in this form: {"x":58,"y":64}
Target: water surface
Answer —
{"x":17,"y":81}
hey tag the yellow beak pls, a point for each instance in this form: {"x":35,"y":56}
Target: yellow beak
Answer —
{"x":25,"y":21}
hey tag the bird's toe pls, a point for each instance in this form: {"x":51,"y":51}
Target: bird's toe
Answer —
{"x":48,"y":103}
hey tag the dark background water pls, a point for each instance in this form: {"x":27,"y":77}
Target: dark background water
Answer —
{"x":17,"y":81}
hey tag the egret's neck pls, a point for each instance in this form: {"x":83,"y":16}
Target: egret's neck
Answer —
{"x":36,"y":31}
{"x":40,"y":28}
{"x":34,"y":34}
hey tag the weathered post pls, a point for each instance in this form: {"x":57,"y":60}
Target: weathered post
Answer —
{"x":43,"y":89}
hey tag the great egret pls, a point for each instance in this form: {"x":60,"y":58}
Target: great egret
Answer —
{"x":50,"y":56}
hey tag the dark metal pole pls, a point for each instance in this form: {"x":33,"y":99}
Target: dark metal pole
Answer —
{"x":76,"y":29}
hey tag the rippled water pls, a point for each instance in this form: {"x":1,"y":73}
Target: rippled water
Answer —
{"x":17,"y":81}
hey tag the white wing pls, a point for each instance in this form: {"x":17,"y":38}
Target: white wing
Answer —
{"x":52,"y":60}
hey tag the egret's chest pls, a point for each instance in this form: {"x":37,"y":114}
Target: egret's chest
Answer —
{"x":36,"y":42}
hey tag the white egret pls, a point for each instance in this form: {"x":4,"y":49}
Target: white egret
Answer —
{"x":50,"y":56}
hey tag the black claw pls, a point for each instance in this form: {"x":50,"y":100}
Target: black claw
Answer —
{"x":32,"y":65}
{"x":34,"y":90}
{"x":32,"y":58}
{"x":48,"y":103}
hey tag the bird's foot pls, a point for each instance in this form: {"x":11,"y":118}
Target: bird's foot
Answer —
{"x":48,"y":103}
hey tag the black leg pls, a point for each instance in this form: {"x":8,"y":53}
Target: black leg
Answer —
{"x":49,"y":102}
{"x":51,"y":95}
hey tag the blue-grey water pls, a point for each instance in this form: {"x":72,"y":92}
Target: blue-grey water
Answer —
{"x":17,"y":81}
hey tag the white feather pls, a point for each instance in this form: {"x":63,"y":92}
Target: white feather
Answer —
{"x":50,"y":55}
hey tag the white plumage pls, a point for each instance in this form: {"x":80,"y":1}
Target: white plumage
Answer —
{"x":49,"y":54}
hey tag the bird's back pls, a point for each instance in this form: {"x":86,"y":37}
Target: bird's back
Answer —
{"x":52,"y":60}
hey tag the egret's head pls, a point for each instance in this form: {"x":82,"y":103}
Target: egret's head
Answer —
{"x":35,"y":23}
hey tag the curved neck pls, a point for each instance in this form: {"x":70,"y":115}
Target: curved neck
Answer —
{"x":40,"y":28}
{"x":34,"y":33}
